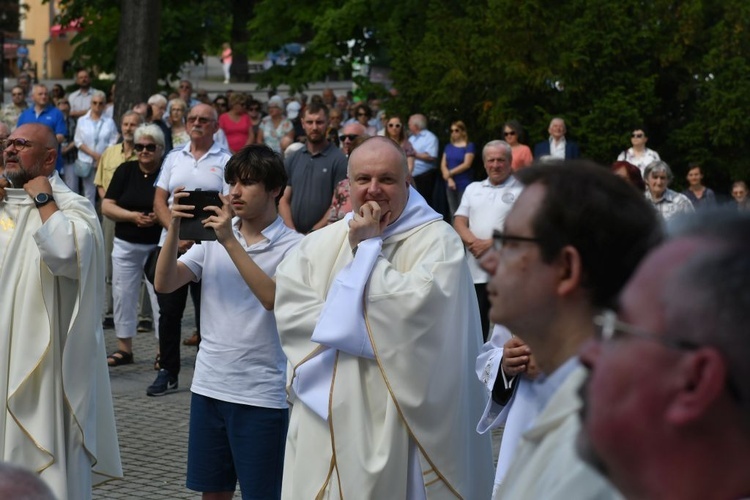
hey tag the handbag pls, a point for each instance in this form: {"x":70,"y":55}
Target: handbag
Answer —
{"x":83,"y":168}
{"x":149,"y":268}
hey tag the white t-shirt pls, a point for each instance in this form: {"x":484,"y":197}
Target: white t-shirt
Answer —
{"x":486,"y":207}
{"x":181,"y":169}
{"x":240,"y":359}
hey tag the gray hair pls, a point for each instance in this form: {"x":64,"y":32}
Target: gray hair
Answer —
{"x":150,"y":130}
{"x":707,"y":302}
{"x":419,"y":120}
{"x":498,"y":144}
{"x":659,"y":167}
{"x":157,"y":99}
{"x":132,"y":113}
{"x":99,"y":93}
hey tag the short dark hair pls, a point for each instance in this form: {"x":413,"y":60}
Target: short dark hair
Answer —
{"x":609,"y":223}
{"x":257,"y":163}
{"x":314,"y":108}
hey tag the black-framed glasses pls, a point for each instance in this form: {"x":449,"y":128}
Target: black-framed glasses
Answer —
{"x":148,"y":147}
{"x":637,"y":135}
{"x":18,"y":143}
{"x":200,"y":119}
{"x":510,"y":132}
{"x":500,"y":239}
{"x":348,"y":137}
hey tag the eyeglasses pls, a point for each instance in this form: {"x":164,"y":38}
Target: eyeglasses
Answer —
{"x":609,"y":327}
{"x":499,"y":239}
{"x":200,"y":119}
{"x":511,"y":132}
{"x":348,"y":137}
{"x":394,"y":125}
{"x":221,"y":103}
{"x":148,"y":147}
{"x":637,"y":135}
{"x":18,"y":143}
{"x":454,"y":130}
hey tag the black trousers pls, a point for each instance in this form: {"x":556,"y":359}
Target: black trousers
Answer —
{"x":171,"y":309}
{"x":484,"y":308}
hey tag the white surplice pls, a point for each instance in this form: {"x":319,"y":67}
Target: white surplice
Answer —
{"x":400,"y":393}
{"x":58,"y":418}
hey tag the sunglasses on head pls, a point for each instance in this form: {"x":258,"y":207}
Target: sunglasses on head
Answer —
{"x":148,"y":147}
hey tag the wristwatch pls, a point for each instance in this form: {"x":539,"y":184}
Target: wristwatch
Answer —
{"x":42,"y":199}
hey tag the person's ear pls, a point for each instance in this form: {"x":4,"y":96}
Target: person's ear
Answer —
{"x":702,"y":381}
{"x":570,"y":270}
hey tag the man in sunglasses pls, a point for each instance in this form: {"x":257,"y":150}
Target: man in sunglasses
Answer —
{"x":349,"y":134}
{"x":57,"y":415}
{"x":199,"y":164}
{"x":11,"y":111}
{"x":573,"y":237}
{"x":666,"y":409}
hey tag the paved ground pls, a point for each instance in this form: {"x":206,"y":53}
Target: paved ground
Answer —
{"x":153,"y":431}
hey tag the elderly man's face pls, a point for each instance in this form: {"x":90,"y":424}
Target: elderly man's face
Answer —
{"x":497,"y":165}
{"x":633,"y":378}
{"x":28,"y":157}
{"x":40,"y":95}
{"x":128,"y":126}
{"x":376,"y":174}
{"x":201,"y":122}
{"x":557,"y":129}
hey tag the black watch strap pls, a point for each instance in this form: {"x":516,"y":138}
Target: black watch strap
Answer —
{"x":42,"y":199}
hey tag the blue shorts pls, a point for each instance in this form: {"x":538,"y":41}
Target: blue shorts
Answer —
{"x":230,"y":441}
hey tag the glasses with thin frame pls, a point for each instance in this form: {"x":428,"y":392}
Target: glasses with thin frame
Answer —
{"x":18,"y":143}
{"x":499,"y":239}
{"x":200,"y":119}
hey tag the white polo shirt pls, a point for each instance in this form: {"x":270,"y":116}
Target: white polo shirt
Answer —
{"x":240,"y":359}
{"x":180,"y":168}
{"x":486,"y":207}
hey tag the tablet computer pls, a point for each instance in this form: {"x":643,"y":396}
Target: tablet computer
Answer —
{"x":193,"y":229}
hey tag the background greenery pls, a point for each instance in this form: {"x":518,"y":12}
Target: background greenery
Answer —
{"x":679,"y":68}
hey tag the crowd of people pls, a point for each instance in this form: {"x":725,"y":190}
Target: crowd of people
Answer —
{"x":356,"y":338}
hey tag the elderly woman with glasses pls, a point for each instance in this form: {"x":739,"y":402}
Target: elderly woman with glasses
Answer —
{"x":455,"y":165}
{"x":638,"y":154}
{"x":668,"y":203}
{"x":94,"y":133}
{"x":129,"y":202}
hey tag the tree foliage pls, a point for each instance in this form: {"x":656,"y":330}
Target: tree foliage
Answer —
{"x":679,"y":68}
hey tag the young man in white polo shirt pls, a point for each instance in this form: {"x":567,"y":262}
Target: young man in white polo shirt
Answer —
{"x":482,"y":211}
{"x":239,"y":413}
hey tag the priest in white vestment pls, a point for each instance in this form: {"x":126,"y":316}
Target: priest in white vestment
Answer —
{"x":378,"y":318}
{"x":58,"y":418}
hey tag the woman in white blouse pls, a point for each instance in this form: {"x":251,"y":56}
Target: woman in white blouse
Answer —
{"x":94,"y":134}
{"x":639,"y":155}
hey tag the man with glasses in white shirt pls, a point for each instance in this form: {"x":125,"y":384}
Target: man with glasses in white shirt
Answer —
{"x":571,"y":240}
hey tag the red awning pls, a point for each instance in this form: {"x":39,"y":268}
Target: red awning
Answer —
{"x":75,"y":25}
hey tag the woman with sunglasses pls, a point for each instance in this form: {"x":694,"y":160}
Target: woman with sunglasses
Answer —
{"x":94,"y":133}
{"x":395,"y":131}
{"x":129,"y":202}
{"x":639,"y":155}
{"x":522,"y":156}
{"x":363,"y":114}
{"x":455,"y":165}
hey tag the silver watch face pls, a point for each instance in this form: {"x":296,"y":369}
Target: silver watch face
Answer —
{"x":42,"y":198}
